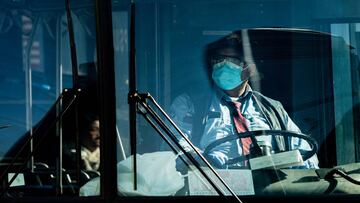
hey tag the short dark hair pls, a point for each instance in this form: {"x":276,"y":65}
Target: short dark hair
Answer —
{"x":230,"y":46}
{"x":86,"y":120}
{"x":232,"y":41}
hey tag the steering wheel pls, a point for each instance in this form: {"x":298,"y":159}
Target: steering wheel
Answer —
{"x":306,"y":154}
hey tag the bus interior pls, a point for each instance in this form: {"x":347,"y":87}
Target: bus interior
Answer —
{"x":126,"y":62}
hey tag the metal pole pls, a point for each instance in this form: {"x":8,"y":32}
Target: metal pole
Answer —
{"x":132,"y":91}
{"x":141,"y":99}
{"x":28,"y":83}
{"x":106,"y":90}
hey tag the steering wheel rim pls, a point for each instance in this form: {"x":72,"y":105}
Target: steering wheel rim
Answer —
{"x":307,"y":154}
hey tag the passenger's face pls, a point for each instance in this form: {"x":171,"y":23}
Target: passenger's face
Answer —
{"x":94,"y":134}
{"x":92,"y":137}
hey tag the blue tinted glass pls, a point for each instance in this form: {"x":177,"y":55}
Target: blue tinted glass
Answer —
{"x":301,"y":83}
{"x":36,"y":138}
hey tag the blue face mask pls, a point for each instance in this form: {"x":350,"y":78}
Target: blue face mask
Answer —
{"x":227,"y":75}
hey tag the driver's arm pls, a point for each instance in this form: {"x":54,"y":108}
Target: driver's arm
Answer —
{"x":215,"y":129}
{"x":181,"y":112}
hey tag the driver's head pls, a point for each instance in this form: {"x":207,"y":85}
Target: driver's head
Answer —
{"x":228,"y":66}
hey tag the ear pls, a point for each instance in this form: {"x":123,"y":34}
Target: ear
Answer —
{"x":249,"y":71}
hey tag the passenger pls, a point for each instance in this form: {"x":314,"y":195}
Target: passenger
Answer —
{"x":239,"y":108}
{"x":90,"y":143}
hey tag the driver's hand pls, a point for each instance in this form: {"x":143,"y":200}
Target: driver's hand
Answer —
{"x":217,"y":159}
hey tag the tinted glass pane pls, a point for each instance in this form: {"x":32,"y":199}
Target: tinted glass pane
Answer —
{"x":41,"y":112}
{"x":293,"y":66}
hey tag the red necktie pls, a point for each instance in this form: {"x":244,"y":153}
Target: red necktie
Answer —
{"x":241,"y":126}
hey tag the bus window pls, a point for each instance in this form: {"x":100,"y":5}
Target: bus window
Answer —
{"x":49,"y":118}
{"x":292,"y":64}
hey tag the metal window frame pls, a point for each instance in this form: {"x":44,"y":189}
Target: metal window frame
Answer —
{"x":106,"y":87}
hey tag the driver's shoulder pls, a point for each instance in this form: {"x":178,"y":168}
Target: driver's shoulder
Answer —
{"x":260,"y":97}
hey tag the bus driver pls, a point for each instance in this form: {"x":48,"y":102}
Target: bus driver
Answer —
{"x":240,"y":108}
